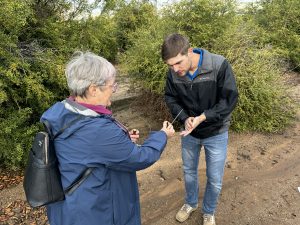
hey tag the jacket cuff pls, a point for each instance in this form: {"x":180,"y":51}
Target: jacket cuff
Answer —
{"x":183,"y":117}
{"x":210,"y":116}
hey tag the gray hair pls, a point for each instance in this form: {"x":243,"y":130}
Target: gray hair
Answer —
{"x":85,"y":69}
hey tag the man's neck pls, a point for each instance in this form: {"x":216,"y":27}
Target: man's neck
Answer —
{"x":195,"y":60}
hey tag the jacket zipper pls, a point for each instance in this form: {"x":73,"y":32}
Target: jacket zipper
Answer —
{"x":191,"y":86}
{"x":46,"y":147}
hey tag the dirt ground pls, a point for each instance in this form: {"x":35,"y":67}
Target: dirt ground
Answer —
{"x":260,"y":185}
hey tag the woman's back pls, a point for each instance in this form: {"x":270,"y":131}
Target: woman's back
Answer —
{"x":110,"y":194}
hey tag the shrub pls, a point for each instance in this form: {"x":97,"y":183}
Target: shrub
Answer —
{"x":202,"y":20}
{"x":130,"y":18}
{"x":143,"y":61}
{"x":29,"y":85}
{"x":264,"y":104}
{"x":97,"y":35}
{"x":281,"y":20}
{"x":263,"y":101}
{"x":36,"y":41}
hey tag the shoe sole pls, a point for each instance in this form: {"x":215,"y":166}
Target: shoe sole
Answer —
{"x":184,"y":219}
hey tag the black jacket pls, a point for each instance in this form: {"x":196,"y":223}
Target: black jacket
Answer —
{"x":212,"y":92}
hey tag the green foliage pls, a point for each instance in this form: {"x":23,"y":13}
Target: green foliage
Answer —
{"x":34,"y":48}
{"x":14,"y":127}
{"x":18,"y":11}
{"x":97,"y":35}
{"x":28,"y":85}
{"x":143,"y":60}
{"x":263,"y":104}
{"x":281,"y":21}
{"x":39,"y":36}
{"x":15,"y":136}
{"x":202,"y":20}
{"x":130,"y":18}
{"x":263,"y":101}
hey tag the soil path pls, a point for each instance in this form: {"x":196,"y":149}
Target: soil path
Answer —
{"x":260,"y":185}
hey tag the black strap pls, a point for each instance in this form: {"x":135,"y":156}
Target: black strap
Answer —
{"x":69,"y":190}
{"x":68,"y":125}
{"x":47,"y":126}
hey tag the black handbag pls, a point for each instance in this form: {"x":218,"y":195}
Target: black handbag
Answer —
{"x":42,"y":180}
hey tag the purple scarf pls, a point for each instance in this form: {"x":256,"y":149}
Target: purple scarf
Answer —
{"x":97,"y":108}
{"x":100,"y":109}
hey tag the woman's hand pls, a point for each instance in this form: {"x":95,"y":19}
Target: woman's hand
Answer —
{"x":168,"y":128}
{"x":134,"y":135}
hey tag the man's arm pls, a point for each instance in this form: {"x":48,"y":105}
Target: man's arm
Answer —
{"x":227,"y":90}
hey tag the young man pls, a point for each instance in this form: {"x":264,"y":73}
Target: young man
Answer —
{"x":203,"y":85}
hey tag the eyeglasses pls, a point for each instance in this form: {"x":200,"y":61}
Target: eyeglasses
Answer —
{"x":114,"y":86}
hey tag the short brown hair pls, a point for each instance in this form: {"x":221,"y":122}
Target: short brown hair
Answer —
{"x":173,"y":45}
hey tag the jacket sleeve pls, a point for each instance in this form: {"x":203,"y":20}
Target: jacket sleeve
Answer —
{"x":115,"y":150}
{"x":172,"y":101}
{"x":227,"y":90}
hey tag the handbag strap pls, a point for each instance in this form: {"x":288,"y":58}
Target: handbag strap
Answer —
{"x":49,"y":131}
{"x":79,"y":180}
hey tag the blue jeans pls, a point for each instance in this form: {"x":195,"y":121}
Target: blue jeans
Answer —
{"x":215,"y":156}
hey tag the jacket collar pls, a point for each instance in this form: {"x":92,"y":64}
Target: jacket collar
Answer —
{"x":206,"y":67}
{"x":85,"y":109}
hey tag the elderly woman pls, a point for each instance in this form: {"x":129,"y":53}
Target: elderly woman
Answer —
{"x":109,"y":195}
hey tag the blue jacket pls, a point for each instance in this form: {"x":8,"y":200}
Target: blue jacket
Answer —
{"x":109,"y":196}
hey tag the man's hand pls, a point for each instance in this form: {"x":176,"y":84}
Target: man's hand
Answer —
{"x":134,"y":135}
{"x":188,"y":124}
{"x":191,"y":123}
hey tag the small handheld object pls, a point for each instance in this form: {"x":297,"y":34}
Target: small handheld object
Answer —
{"x":177,"y":116}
